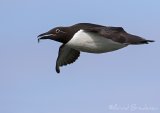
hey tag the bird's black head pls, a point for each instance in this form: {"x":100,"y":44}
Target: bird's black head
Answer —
{"x":59,"y":34}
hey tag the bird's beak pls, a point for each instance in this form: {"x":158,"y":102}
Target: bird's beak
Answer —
{"x":44,"y":36}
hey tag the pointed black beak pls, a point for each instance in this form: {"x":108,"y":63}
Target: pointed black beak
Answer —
{"x":41,"y":36}
{"x":44,"y":36}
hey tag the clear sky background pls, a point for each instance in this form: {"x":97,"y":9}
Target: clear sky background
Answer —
{"x":94,"y":83}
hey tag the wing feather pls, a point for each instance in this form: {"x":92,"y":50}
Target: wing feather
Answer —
{"x":66,"y":56}
{"x":113,"y":33}
{"x":118,"y":34}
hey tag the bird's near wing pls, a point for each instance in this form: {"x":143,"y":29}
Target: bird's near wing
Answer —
{"x":66,"y":56}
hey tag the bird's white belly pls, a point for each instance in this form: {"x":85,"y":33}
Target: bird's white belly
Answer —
{"x":93,"y":43}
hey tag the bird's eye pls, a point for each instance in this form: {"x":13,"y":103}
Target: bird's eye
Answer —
{"x":57,"y":30}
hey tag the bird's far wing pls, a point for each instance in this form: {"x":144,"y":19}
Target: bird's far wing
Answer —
{"x":118,"y":34}
{"x":66,"y":56}
{"x":113,"y":33}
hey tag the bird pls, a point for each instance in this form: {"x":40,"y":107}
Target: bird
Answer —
{"x":90,"y":38}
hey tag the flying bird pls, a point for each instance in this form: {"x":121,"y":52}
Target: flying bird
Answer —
{"x":88,"y":37}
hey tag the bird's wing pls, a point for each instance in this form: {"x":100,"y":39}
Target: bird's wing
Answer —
{"x":118,"y":34}
{"x":113,"y":33}
{"x":66,"y":56}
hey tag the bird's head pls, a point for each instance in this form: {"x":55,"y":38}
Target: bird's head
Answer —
{"x":58,"y":34}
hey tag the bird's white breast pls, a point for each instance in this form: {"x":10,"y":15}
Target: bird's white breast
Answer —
{"x":93,"y":43}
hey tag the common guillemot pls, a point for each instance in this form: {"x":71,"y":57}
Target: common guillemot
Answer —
{"x":91,"y":38}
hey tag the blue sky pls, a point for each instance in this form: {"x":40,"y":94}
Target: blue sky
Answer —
{"x":128,"y":77}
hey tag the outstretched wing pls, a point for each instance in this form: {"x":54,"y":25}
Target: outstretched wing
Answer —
{"x":118,"y":34}
{"x":66,"y":56}
{"x":113,"y":33}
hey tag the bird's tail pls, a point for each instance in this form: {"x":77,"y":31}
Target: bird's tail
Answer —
{"x":136,"y":40}
{"x":146,"y":41}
